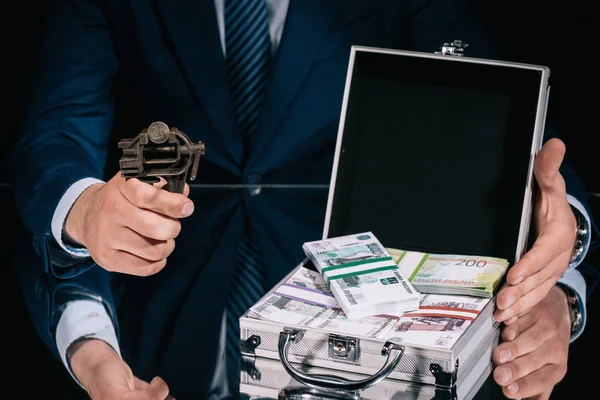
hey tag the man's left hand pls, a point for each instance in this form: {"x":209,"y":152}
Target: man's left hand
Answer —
{"x":533,"y":357}
{"x":532,"y":277}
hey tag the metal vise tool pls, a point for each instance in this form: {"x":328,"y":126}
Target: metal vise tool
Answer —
{"x":160,"y":151}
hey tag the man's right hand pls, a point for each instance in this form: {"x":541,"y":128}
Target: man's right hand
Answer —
{"x":106,"y":377}
{"x":128,"y":226}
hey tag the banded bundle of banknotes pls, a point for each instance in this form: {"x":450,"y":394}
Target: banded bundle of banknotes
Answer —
{"x":451,"y":274}
{"x":362,"y":288}
{"x":362,"y":275}
{"x":305,"y":300}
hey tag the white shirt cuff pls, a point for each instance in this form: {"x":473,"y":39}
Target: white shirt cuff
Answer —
{"x":575,"y":281}
{"x":84,"y":318}
{"x":62,"y":210}
{"x":588,"y":225}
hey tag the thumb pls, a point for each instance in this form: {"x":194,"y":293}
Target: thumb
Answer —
{"x":158,"y":389}
{"x":140,"y":384}
{"x":162,"y":182}
{"x":547,"y":163}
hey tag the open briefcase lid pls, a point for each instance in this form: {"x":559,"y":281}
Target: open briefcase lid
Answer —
{"x":435,"y":152}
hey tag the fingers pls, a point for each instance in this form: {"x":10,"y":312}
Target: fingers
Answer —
{"x":535,"y":273}
{"x":144,"y":247}
{"x":527,"y":301}
{"x":524,"y":349}
{"x":149,"y":197}
{"x":157,"y":389}
{"x":533,"y":362}
{"x":137,"y":242}
{"x":127,"y":263}
{"x":512,"y":348}
{"x":554,"y":227}
{"x":149,"y":223}
{"x":133,"y":226}
{"x":539,"y":383}
{"x":547,"y":247}
{"x":547,"y":164}
{"x":520,"y":325}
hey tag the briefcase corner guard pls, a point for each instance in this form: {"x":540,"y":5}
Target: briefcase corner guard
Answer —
{"x":248,"y":356}
{"x":443,"y":378}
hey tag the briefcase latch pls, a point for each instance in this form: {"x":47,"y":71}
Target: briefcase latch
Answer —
{"x":343,"y":348}
{"x":455,"y":48}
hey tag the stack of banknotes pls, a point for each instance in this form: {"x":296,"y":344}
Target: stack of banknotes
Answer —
{"x":451,"y":274}
{"x":362,"y":275}
{"x":305,"y":300}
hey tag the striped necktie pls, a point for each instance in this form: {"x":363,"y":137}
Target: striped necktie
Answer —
{"x":248,"y":49}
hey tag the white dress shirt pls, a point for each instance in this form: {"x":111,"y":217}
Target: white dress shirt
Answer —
{"x":88,"y":318}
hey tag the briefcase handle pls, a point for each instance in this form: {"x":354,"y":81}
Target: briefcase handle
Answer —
{"x":332,"y":382}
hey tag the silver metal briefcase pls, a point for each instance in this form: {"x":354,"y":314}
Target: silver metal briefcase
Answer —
{"x":363,"y":355}
{"x":434,"y":153}
{"x":268,"y":379}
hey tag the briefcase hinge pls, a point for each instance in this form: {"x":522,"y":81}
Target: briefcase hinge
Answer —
{"x":343,"y":348}
{"x":455,"y":48}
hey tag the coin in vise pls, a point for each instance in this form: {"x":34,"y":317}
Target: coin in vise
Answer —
{"x":158,"y":132}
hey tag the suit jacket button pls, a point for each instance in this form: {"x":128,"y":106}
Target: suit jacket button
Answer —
{"x":254,"y":181}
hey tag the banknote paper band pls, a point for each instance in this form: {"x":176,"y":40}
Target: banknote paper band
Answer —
{"x":361,"y":272}
{"x":357,"y":263}
{"x":307,"y":295}
{"x":416,"y":271}
{"x":404,"y":252}
{"x":359,"y":268}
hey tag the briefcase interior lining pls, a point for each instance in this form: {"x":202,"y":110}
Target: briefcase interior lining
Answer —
{"x":435,"y":153}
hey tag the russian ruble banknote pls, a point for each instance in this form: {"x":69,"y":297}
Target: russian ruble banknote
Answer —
{"x":451,"y":274}
{"x":439,"y":322}
{"x":307,"y":286}
{"x":289,"y":311}
{"x":362,"y":275}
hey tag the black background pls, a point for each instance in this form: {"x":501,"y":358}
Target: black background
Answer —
{"x":560,"y":35}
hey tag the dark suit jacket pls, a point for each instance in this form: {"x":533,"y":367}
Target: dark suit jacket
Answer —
{"x":115,"y":66}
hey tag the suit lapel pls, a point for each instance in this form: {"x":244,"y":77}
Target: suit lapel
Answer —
{"x":305,"y":28}
{"x":193,"y":28}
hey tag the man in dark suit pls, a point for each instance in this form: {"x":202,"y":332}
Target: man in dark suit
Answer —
{"x":261,"y":83}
